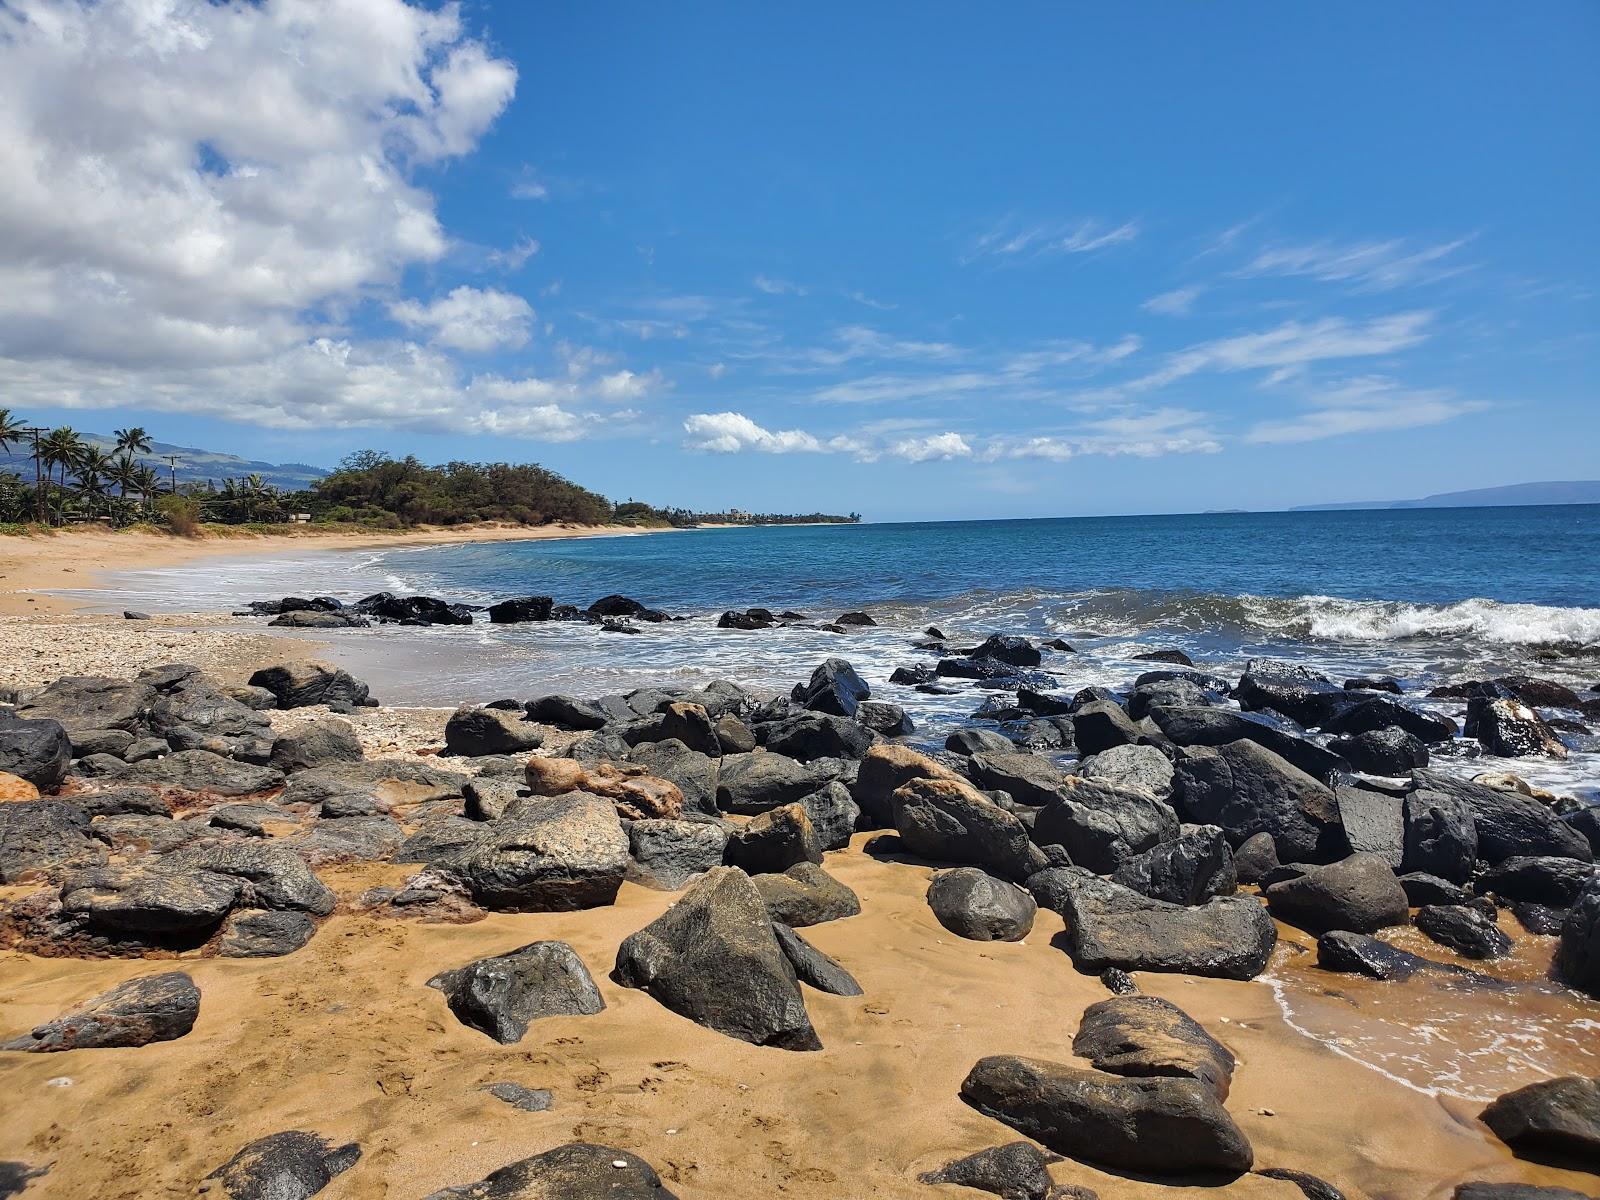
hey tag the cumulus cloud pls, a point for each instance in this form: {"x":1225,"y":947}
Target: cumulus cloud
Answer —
{"x":942,"y":446}
{"x":731,"y":432}
{"x":469,"y":319}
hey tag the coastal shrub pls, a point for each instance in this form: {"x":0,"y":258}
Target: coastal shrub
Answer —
{"x":181,"y":514}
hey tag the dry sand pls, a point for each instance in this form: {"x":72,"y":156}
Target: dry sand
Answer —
{"x":344,"y":1038}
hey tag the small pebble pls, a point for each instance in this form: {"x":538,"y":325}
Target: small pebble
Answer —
{"x":619,"y":1163}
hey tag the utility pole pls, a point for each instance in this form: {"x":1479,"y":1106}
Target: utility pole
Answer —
{"x":38,"y":481}
{"x":172,"y":466}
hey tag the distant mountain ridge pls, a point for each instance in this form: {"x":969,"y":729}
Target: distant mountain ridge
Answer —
{"x":194,"y":465}
{"x":1567,"y":491}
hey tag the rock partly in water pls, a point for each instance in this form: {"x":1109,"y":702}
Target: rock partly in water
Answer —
{"x":1578,"y":953}
{"x":1359,"y":894}
{"x":1552,"y":1117}
{"x":1469,"y":931}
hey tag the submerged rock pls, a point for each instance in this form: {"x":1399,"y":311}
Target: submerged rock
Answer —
{"x":1470,"y":932}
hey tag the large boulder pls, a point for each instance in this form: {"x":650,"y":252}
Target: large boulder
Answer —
{"x":1029,"y":779}
{"x":1296,"y":691}
{"x":268,"y":876}
{"x":1101,"y":826}
{"x":1552,"y":1117}
{"x":38,"y":835}
{"x":804,"y":895}
{"x":1391,"y":752}
{"x":204,"y":773}
{"x":1131,"y":766}
{"x":299,"y":684}
{"x":1508,"y":824}
{"x":949,"y":820}
{"x":1374,"y":823}
{"x":1102,"y":725}
{"x":521,"y":608}
{"x":1190,"y":869}
{"x":91,"y":702}
{"x":191,"y":714}
{"x":1441,"y":835}
{"x":503,"y":995}
{"x":1537,"y":879}
{"x":1247,"y":789}
{"x":1204,"y":726}
{"x":37,"y":751}
{"x":1379,"y":712}
{"x":887,"y":767}
{"x":316,"y":744}
{"x":576,"y":1171}
{"x":713,"y":957}
{"x":813,"y":735}
{"x":1146,"y":1035}
{"x":384,"y":783}
{"x":752,"y":783}
{"x":1162,"y":1126}
{"x":1469,"y":931}
{"x":975,"y":905}
{"x":1112,"y":926}
{"x":264,"y":934}
{"x":1578,"y":954}
{"x":148,"y":902}
{"x":773,"y":842}
{"x":474,"y":732}
{"x":1359,"y":894}
{"x":567,"y":712}
{"x":292,"y":1165}
{"x":668,"y":854}
{"x":1510,"y":729}
{"x":548,"y":855}
{"x":154,"y":1008}
{"x":834,"y":688}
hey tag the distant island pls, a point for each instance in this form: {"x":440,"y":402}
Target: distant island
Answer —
{"x":1576,"y":491}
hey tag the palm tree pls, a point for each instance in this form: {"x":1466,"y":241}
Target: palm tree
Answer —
{"x":60,"y":448}
{"x":132,"y":441}
{"x":124,"y":472}
{"x":147,"y":482}
{"x":92,"y":468}
{"x":10,"y":429}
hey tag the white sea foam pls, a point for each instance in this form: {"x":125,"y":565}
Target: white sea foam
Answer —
{"x":1483,"y":620}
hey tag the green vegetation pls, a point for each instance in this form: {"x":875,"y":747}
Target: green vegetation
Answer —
{"x":75,"y":482}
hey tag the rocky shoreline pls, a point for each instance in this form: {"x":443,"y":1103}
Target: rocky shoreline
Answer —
{"x":654,"y":857}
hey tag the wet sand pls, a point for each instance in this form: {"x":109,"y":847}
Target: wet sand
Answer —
{"x":344,"y":1038}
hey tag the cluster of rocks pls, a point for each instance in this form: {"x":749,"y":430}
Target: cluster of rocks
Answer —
{"x":206,"y":841}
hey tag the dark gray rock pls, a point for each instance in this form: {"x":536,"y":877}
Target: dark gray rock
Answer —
{"x":471,"y":732}
{"x":154,"y":1008}
{"x":1552,"y":1117}
{"x":148,"y":901}
{"x":556,"y":854}
{"x":1470,"y":932}
{"x":141,"y":749}
{"x":523,"y":1098}
{"x":813,"y":735}
{"x":970,"y":741}
{"x":1016,"y":1171}
{"x":204,"y":773}
{"x":267,"y":876}
{"x":488,"y":797}
{"x":503,"y":995}
{"x":1028,"y":778}
{"x":316,"y":745}
{"x":774,"y":841}
{"x":668,"y":854}
{"x":1102,"y":726}
{"x":1311,"y":1187}
{"x":975,"y":905}
{"x":1297,"y":692}
{"x":1578,"y":953}
{"x":1390,"y":752}
{"x":1510,"y":728}
{"x":1514,"y":1191}
{"x":1256,"y":858}
{"x":1421,"y":888}
{"x":1247,"y":789}
{"x":16,"y":1176}
{"x":389,"y":781}
{"x":1101,"y":826}
{"x":1539,"y":919}
{"x":834,"y":687}
{"x":1538,"y":879}
{"x":950,"y":821}
{"x":130,"y":832}
{"x":887,"y":720}
{"x":733,"y":735}
{"x":1219,"y":727}
{"x":311,"y":619}
{"x":38,"y":751}
{"x":1508,"y":824}
{"x":805,"y":895}
{"x":299,"y":684}
{"x":1374,"y":823}
{"x":520,"y":609}
{"x":1131,"y":766}
{"x":441,"y":841}
{"x":714,"y":958}
{"x":1362,"y":954}
{"x":834,"y":815}
{"x":372,"y":838}
{"x":1143,"y":1036}
{"x":100,"y":741}
{"x":1189,"y":869}
{"x":1112,"y":926}
{"x":40,"y":835}
{"x":83,"y":702}
{"x":1359,"y":894}
{"x":576,"y":1171}
{"x":262,"y":934}
{"x":1441,"y":834}
{"x":1163,"y":1126}
{"x":1375,"y":713}
{"x":283,"y":1166}
{"x":812,"y":966}
{"x":567,"y":712}
{"x":753,"y":783}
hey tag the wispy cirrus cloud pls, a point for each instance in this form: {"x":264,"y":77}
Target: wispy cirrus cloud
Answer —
{"x":777,"y":287}
{"x":1375,"y":266}
{"x":1371,"y":404}
{"x":1015,"y":241}
{"x":1179,"y":302}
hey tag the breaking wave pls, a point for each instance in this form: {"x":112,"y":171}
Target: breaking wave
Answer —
{"x":1330,"y":618}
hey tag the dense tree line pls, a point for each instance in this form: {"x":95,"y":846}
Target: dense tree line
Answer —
{"x":75,"y":481}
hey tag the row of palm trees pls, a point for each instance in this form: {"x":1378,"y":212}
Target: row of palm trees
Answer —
{"x":63,"y":454}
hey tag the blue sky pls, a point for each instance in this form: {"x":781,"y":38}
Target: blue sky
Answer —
{"x":920,"y":261}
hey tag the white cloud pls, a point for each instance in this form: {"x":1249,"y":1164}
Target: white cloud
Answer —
{"x":1294,"y":344}
{"x":731,"y":432}
{"x":1366,"y":405}
{"x":1179,"y":302}
{"x":529,"y":186}
{"x":869,"y":302}
{"x":940,"y":446}
{"x":777,"y":287}
{"x":469,"y":319}
{"x":1012,"y":240}
{"x":515,"y":256}
{"x":1369,"y":266}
